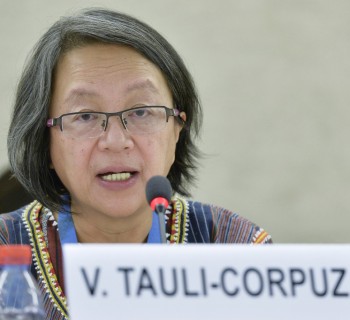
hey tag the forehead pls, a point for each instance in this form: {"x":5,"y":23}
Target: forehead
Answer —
{"x":91,"y":58}
{"x":94,"y":69}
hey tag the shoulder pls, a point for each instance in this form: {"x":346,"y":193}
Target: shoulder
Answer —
{"x":12,"y":226}
{"x":223,"y":225}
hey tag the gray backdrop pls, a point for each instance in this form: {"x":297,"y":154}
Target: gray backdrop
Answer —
{"x":274,"y":82}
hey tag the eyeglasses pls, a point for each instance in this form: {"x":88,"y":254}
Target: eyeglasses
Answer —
{"x":140,"y":120}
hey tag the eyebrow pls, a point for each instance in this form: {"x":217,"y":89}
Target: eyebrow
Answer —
{"x":80,"y":93}
{"x":137,"y":85}
{"x":143,"y":84}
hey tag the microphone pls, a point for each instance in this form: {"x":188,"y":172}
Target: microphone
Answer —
{"x":158,"y":194}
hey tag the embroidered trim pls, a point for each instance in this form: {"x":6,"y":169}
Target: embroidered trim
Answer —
{"x":44,"y":222}
{"x":42,"y":262}
{"x":261,"y":236}
{"x":179,"y":221}
{"x":177,"y":213}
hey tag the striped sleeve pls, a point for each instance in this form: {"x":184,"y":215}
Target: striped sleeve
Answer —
{"x":232,"y":228}
{"x":4,"y":231}
{"x":12,"y":230}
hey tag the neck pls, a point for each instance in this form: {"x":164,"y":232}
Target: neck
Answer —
{"x":114,"y":231}
{"x":92,"y":228}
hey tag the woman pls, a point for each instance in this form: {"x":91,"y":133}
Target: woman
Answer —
{"x":104,"y":104}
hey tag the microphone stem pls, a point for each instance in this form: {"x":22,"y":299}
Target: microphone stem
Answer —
{"x":160,"y":209}
{"x":162,"y":226}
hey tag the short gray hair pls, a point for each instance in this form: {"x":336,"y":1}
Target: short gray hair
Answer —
{"x":29,"y":139}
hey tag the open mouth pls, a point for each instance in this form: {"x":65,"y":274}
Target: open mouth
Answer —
{"x":113,"y":176}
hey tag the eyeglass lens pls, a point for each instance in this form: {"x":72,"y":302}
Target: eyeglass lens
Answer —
{"x":138,"y":121}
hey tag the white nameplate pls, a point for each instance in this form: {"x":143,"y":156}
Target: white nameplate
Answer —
{"x":207,"y":282}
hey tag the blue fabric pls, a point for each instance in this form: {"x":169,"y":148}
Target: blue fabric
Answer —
{"x":66,"y":227}
{"x":154,"y":234}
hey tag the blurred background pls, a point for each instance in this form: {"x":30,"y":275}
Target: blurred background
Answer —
{"x":273,"y":77}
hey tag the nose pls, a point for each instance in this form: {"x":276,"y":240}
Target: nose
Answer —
{"x":115,"y":137}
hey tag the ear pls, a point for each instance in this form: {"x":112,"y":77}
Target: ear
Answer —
{"x":182,"y":115}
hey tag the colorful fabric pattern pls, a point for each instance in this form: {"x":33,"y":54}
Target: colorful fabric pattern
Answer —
{"x":186,"y":222}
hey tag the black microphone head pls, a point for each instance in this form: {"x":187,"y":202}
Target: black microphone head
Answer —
{"x":158,"y":187}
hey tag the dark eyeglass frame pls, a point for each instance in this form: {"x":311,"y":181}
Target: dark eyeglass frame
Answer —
{"x":52,"y":122}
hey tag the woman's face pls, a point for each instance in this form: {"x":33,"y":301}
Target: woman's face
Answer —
{"x":110,"y":78}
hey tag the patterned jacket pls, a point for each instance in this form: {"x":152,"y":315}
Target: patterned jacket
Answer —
{"x":187,"y":222}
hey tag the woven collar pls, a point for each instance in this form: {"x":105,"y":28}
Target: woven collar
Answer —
{"x":177,"y":231}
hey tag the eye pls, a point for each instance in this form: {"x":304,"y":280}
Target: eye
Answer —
{"x":140,"y":113}
{"x":86,"y":117}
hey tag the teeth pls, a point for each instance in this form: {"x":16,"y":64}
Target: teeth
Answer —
{"x":117,"y":176}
